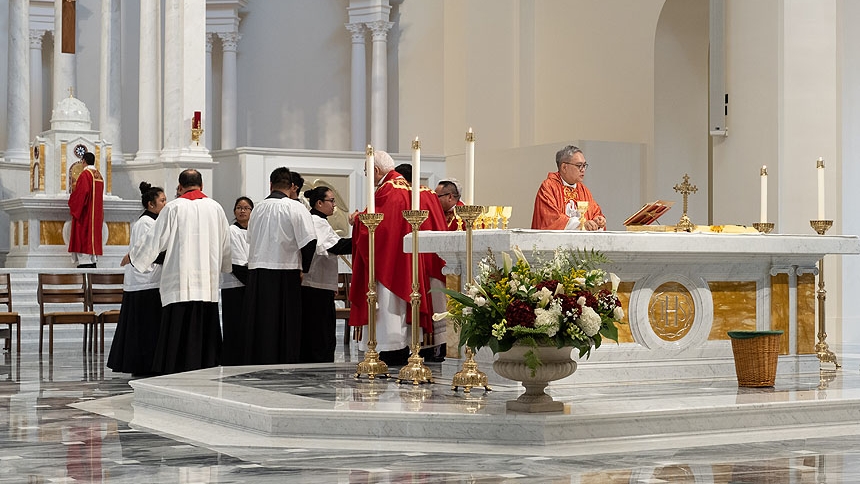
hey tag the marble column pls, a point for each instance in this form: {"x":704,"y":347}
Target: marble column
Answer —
{"x":358,"y":87}
{"x":64,"y":75}
{"x":17,"y":89}
{"x":184,"y":79}
{"x":148,"y":82}
{"x":36,"y":122}
{"x":379,"y":84}
{"x":229,"y":90}
{"x":207,"y":117}
{"x":110,"y":98}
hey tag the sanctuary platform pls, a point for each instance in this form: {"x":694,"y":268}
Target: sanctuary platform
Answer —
{"x":325,"y":407}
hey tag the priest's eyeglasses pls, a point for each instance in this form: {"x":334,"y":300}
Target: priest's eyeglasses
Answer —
{"x":579,"y":166}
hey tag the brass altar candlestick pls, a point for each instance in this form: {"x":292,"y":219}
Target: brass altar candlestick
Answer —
{"x":195,"y":135}
{"x":685,"y":189}
{"x":372,"y":366}
{"x":763,"y":227}
{"x":470,"y":376}
{"x":821,"y":348}
{"x":415,"y":369}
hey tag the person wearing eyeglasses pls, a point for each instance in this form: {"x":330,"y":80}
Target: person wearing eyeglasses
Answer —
{"x":319,"y":285}
{"x":233,"y":286}
{"x":449,"y":194}
{"x":557,"y":197}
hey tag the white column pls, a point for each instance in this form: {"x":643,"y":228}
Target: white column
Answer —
{"x":110,"y":98}
{"x":184,"y":78}
{"x":379,"y":85}
{"x":64,"y":64}
{"x":148,"y":80}
{"x":207,"y":112}
{"x":36,"y":124}
{"x":17,"y":90}
{"x":229,"y":94}
{"x":358,"y":87}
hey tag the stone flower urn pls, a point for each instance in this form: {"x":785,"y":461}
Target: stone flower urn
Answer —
{"x":556,"y":364}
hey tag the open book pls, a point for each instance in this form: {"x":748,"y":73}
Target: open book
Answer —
{"x":649,"y":213}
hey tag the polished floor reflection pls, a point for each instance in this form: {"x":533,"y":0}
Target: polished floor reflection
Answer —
{"x":68,"y":420}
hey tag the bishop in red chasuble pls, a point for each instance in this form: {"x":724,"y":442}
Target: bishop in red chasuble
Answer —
{"x":557,"y":197}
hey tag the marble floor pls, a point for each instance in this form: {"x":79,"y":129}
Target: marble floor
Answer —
{"x":69,"y":419}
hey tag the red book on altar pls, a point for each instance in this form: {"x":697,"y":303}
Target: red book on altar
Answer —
{"x":649,"y":213}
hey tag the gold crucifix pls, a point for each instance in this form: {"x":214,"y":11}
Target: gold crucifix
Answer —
{"x":685,"y":189}
{"x":71,"y":91}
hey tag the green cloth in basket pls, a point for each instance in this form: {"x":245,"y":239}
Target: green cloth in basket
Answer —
{"x":751,"y":334}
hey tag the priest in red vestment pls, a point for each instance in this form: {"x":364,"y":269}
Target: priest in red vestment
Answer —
{"x":557,"y":197}
{"x":86,"y":204}
{"x":449,"y":194}
{"x":393,"y":266}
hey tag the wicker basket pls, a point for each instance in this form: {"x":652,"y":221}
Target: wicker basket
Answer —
{"x":756,"y":355}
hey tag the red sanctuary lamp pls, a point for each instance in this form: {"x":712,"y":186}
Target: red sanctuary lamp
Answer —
{"x":196,"y":129}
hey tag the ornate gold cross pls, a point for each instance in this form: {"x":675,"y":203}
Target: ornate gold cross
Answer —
{"x":685,"y":189}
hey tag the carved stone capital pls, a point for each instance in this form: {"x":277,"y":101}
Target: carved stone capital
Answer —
{"x":36,"y":38}
{"x":210,"y":39}
{"x":358,"y":31}
{"x":379,"y":30}
{"x":229,"y":41}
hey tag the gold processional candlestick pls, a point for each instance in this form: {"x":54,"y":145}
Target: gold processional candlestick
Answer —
{"x":470,"y":376}
{"x":821,"y":348}
{"x":372,"y":366}
{"x":415,"y":370}
{"x":685,"y":189}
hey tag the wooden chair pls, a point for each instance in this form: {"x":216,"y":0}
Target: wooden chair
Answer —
{"x":342,"y":294}
{"x":9,"y":318}
{"x":104,"y":289}
{"x":63,"y":289}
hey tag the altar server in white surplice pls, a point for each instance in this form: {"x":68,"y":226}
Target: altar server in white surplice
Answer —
{"x":193,"y":232}
{"x":281,"y":244}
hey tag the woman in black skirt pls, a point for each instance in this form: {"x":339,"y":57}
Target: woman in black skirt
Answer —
{"x":320,"y":283}
{"x":233,"y":286}
{"x":133,"y":345}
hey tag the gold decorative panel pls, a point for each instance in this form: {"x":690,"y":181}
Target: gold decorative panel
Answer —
{"x":119,"y":233}
{"x":806,"y":303}
{"x":671,"y":311}
{"x":63,"y":162}
{"x":779,"y":308}
{"x":734,"y":307}
{"x":51,"y":232}
{"x":26,"y":227}
{"x":624,"y":333}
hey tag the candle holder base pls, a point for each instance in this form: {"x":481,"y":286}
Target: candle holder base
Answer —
{"x":415,"y":370}
{"x":822,"y":349}
{"x":372,"y":366}
{"x":763,"y":227}
{"x":821,"y":226}
{"x":470,"y":376}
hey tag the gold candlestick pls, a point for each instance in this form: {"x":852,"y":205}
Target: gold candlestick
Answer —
{"x":470,"y":376}
{"x":415,"y":369}
{"x":763,"y":227}
{"x":821,"y":348}
{"x":372,"y":366}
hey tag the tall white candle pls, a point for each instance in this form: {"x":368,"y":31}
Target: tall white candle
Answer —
{"x":820,"y":165}
{"x":470,"y":167}
{"x":371,"y":183}
{"x":416,"y":174}
{"x":763,"y":217}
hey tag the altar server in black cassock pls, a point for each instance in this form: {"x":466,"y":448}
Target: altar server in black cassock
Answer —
{"x":281,"y":244}
{"x":193,"y":231}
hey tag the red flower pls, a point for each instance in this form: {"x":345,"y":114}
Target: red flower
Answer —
{"x":551,"y":285}
{"x":590,"y":300}
{"x":520,"y":313}
{"x":569,"y":307}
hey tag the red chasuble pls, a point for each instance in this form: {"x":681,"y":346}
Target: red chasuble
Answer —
{"x":393,"y":266}
{"x":86,"y":204}
{"x":552,"y":198}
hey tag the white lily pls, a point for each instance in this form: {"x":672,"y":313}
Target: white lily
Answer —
{"x":520,"y":256}
{"x":615,"y":281}
{"x":440,"y":316}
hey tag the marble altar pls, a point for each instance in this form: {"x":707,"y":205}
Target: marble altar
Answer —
{"x":682,"y":292}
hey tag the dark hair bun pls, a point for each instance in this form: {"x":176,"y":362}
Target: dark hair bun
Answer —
{"x":309,"y":193}
{"x":144,"y":187}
